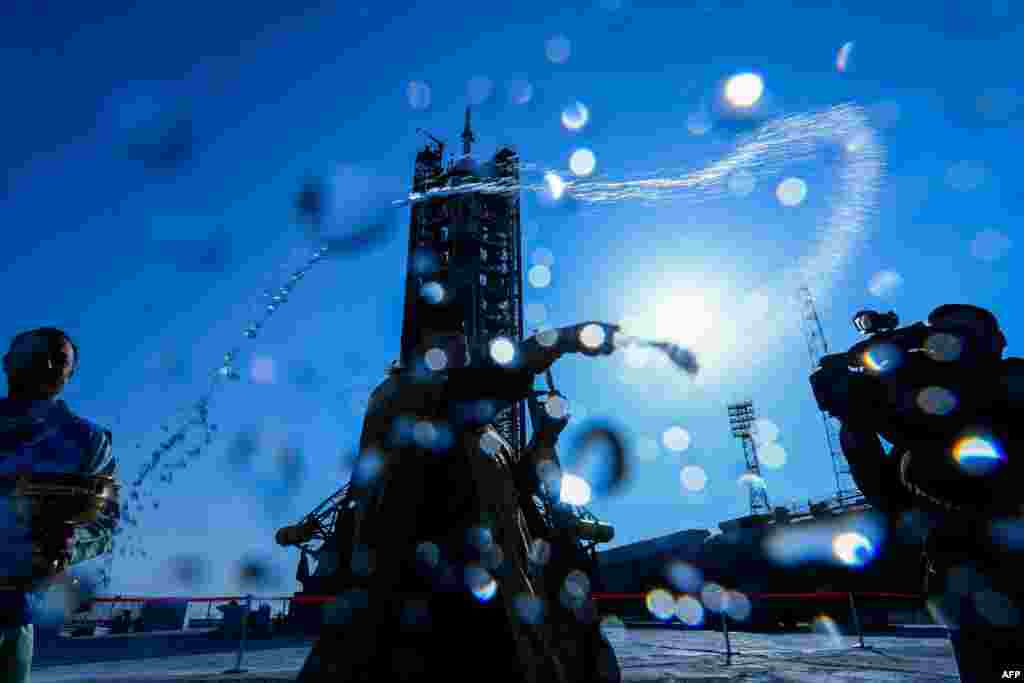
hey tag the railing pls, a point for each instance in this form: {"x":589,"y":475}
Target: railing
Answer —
{"x":248,"y":600}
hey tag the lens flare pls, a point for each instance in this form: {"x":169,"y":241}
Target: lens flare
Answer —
{"x":660,"y":604}
{"x":852,"y":549}
{"x":882,"y":357}
{"x":575,"y":116}
{"x":978,"y":455}
{"x":480,"y":583}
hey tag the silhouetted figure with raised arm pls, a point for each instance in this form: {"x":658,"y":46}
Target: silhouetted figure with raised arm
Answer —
{"x":950,"y":405}
{"x":443,"y":583}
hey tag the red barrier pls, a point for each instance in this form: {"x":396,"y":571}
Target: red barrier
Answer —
{"x":831,"y":595}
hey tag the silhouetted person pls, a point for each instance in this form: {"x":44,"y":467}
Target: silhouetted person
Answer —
{"x":442,"y":581}
{"x":40,"y":435}
{"x":231,"y":625}
{"x":951,"y":406}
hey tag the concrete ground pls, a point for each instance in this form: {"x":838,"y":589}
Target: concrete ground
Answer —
{"x":645,"y":654}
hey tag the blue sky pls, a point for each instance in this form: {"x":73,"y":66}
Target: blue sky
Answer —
{"x":121,"y":255}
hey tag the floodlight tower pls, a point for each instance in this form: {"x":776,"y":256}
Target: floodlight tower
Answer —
{"x":741,"y":419}
{"x":846,"y":490}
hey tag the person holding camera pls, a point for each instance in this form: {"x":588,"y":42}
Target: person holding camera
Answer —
{"x":440,"y":572}
{"x":949,"y":404}
{"x":40,"y":436}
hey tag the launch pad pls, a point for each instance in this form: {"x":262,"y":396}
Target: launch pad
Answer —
{"x":661,"y":654}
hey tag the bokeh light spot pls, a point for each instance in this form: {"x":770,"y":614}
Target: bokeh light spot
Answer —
{"x":744,"y":90}
{"x":683,"y":577}
{"x":689,"y":610}
{"x":432,"y":292}
{"x":741,"y":183}
{"x":882,"y":357}
{"x":555,"y":185}
{"x":791,"y":192}
{"x":418,"y":94}
{"x":713,"y":596}
{"x":693,"y":478}
{"x":660,"y":604}
{"x":943,"y":347}
{"x":262,"y":370}
{"x":676,"y":439}
{"x":480,"y":583}
{"x":990,"y":245}
{"x":582,"y":162}
{"x":843,"y":57}
{"x":852,"y":549}
{"x":575,"y":116}
{"x":436,"y":359}
{"x":592,"y":336}
{"x":539,"y":276}
{"x":771,"y":455}
{"x":503,"y":351}
{"x":978,"y":455}
{"x":884,"y":282}
{"x":558,"y":48}
{"x":520,"y":91}
{"x":936,"y":400}
{"x":478,"y":89}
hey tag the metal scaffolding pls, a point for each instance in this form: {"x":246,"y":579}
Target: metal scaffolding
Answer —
{"x":847,"y":492}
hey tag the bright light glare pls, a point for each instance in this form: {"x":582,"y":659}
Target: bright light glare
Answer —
{"x":744,"y":90}
{"x":582,"y":162}
{"x":592,"y":336}
{"x":502,"y":351}
{"x":852,"y":549}
{"x":575,"y":490}
{"x":556,"y":186}
{"x":683,"y":320}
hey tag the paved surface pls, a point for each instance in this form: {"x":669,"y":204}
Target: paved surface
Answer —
{"x":662,"y":654}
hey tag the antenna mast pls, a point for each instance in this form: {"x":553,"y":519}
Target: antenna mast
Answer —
{"x":846,"y":490}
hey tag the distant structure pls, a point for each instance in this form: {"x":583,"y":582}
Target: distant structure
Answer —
{"x":741,"y":420}
{"x":464,"y":271}
{"x":463,"y":275}
{"x":847,"y":492}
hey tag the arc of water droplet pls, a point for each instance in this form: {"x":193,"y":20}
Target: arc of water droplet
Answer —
{"x":781,"y":141}
{"x":199,"y":411}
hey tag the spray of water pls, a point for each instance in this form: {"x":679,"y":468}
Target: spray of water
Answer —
{"x":763,"y":153}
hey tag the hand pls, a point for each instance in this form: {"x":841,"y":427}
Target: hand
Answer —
{"x":51,"y":555}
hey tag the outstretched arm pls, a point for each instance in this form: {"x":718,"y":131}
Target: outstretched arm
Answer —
{"x":92,"y":540}
{"x":876,"y":472}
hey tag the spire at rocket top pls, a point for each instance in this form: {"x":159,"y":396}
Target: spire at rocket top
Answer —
{"x":467,"y":135}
